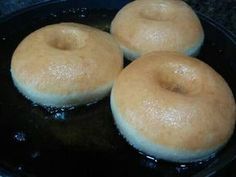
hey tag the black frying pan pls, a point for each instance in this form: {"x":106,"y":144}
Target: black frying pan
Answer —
{"x":84,"y":141}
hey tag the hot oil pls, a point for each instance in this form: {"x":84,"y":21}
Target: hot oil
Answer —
{"x":46,"y":141}
{"x":28,"y":129}
{"x":33,"y":132}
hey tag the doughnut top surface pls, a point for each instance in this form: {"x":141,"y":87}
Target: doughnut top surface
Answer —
{"x":66,"y":58}
{"x":158,"y":25}
{"x":175,"y":101}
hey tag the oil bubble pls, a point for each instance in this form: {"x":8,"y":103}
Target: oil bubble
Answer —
{"x":20,"y":136}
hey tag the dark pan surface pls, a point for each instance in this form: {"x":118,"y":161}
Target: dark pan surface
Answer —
{"x":35,"y":141}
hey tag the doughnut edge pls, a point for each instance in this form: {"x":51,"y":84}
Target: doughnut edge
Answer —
{"x":154,"y":150}
{"x":58,"y":101}
{"x":131,"y":55}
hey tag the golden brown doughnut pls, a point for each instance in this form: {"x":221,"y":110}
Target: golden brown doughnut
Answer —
{"x":66,"y":64}
{"x":157,"y":25}
{"x":173,"y":107}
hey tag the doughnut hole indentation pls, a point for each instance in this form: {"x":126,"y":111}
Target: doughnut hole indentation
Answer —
{"x":159,"y":12}
{"x":67,"y":40}
{"x":179,"y":79}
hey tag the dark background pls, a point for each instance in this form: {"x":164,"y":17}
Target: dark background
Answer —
{"x":221,"y":11}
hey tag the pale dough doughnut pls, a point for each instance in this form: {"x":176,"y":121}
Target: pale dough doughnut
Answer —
{"x":157,"y":25}
{"x":173,"y":107}
{"x":66,"y":64}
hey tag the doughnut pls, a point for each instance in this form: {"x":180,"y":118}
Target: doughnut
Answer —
{"x":66,"y":64}
{"x":157,"y":25}
{"x":173,"y":107}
